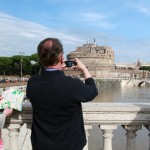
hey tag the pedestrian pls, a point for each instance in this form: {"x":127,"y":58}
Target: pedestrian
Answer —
{"x":6,"y":113}
{"x":56,"y":101}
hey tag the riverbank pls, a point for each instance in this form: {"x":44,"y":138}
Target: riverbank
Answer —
{"x":100,"y":83}
{"x":107,"y":83}
{"x":4,"y":85}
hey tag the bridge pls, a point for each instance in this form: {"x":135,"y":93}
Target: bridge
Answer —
{"x":102,"y":118}
{"x":107,"y":117}
{"x":136,"y":82}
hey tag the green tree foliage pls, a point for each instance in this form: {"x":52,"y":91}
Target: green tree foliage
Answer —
{"x":36,"y":65}
{"x":16,"y":64}
{"x":147,"y":68}
{"x":4,"y":63}
{"x":12,"y":65}
{"x":34,"y":57}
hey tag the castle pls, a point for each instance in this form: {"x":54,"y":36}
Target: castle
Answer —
{"x":100,"y":62}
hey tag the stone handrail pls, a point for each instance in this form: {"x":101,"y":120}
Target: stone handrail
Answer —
{"x":131,"y":116}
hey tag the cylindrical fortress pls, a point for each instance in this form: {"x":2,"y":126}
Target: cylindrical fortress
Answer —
{"x":98,"y":59}
{"x":94,"y":56}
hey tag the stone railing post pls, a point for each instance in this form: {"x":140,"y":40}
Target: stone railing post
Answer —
{"x":87,"y":129}
{"x":107,"y":135}
{"x":24,"y":142}
{"x":13,"y":136}
{"x":131,"y":135}
{"x":148,"y":128}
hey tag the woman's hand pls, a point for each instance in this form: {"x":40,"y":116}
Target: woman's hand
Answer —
{"x":8,"y":111}
{"x":1,"y":98}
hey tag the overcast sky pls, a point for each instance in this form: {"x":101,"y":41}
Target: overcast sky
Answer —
{"x":123,"y":25}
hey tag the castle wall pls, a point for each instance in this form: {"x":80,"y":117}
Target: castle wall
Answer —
{"x":98,"y":59}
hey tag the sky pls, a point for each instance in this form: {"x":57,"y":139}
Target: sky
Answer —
{"x":123,"y":25}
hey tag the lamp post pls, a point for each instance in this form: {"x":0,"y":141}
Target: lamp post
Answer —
{"x":21,"y":60}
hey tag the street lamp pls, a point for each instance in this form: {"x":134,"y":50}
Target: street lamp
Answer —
{"x":21,"y":60}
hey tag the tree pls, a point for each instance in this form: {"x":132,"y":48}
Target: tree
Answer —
{"x":4,"y":63}
{"x":36,"y":65}
{"x":12,"y":65}
{"x":34,"y":57}
{"x":26,"y":65}
{"x":147,"y":68}
{"x":16,"y":61}
{"x":144,"y":68}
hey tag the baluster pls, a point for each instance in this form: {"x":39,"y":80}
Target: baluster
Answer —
{"x":87,"y":129}
{"x":131,"y":135}
{"x":107,"y":135}
{"x":24,"y":137}
{"x":148,"y":128}
{"x":13,"y":136}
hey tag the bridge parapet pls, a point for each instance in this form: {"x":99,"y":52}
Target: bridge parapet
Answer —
{"x":135,"y":82}
{"x":107,"y":116}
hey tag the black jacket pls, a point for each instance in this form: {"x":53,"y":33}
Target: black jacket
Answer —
{"x":57,"y":110}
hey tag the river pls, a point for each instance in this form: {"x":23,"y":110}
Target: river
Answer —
{"x":121,"y":95}
{"x":124,"y":95}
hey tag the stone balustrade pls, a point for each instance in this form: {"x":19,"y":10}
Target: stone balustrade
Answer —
{"x":107,"y":116}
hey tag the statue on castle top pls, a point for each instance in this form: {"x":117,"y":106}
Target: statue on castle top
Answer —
{"x":94,"y":40}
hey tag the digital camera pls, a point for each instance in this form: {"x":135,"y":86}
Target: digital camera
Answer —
{"x":70,"y":63}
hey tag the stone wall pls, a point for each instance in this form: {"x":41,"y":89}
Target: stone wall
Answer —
{"x":94,"y":56}
{"x":107,"y":83}
{"x":98,"y":59}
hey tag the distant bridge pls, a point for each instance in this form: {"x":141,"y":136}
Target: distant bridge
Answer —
{"x":137,"y":82}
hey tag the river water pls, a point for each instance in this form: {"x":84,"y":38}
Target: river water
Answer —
{"x":124,"y":95}
{"x":121,"y":95}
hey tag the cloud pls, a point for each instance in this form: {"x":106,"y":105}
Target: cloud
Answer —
{"x":81,"y":14}
{"x":140,"y":6}
{"x":96,"y":19}
{"x":130,"y":50}
{"x":92,"y":16}
{"x":143,"y":9}
{"x":21,"y":35}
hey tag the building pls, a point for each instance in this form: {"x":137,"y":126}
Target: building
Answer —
{"x":98,"y":59}
{"x":100,"y":62}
